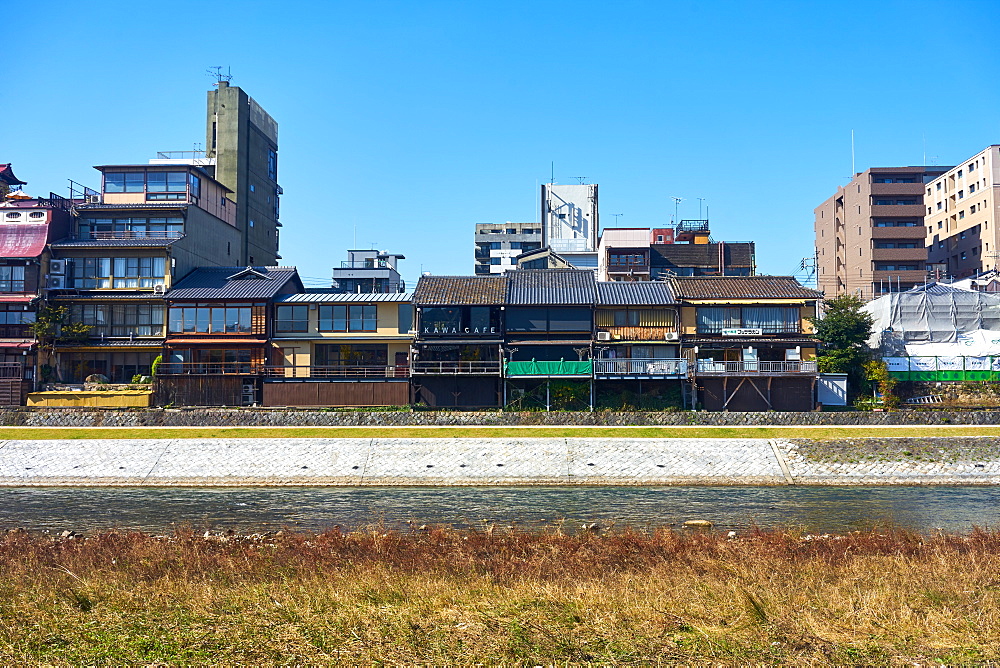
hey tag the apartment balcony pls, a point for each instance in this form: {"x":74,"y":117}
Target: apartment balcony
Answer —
{"x":456,"y":368}
{"x":133,"y":234}
{"x":335,"y":372}
{"x":910,"y":255}
{"x":915,"y":232}
{"x":626,"y":367}
{"x":898,"y":210}
{"x":898,"y":189}
{"x":713,"y":368}
{"x":628,"y":269}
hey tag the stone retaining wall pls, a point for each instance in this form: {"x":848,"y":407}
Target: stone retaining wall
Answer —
{"x":257,"y":417}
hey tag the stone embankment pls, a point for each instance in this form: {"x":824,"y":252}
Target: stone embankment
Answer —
{"x":493,"y":461}
{"x":277,"y":417}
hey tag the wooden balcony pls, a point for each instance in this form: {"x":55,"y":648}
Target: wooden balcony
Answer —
{"x":335,"y":372}
{"x":711,"y":368}
{"x":210,"y":369}
{"x":456,"y":368}
{"x":626,"y":367}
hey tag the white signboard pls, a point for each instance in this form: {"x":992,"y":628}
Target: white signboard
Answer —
{"x":742,"y":332}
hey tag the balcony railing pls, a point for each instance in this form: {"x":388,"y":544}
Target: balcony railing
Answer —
{"x":640,"y":367}
{"x":210,"y":368}
{"x":133,"y":234}
{"x":455,"y":368}
{"x":336,"y":371}
{"x":11,"y":370}
{"x":712,"y":368}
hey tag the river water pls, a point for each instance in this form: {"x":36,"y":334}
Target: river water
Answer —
{"x":257,"y":509}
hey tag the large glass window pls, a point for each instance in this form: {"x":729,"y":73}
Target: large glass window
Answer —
{"x":358,"y":354}
{"x":210,"y":319}
{"x":348,"y":318}
{"x":441,"y":320}
{"x":292,"y":318}
{"x":130,"y":228}
{"x":768,"y":319}
{"x":139,"y":272}
{"x":120,"y":320}
{"x":11,"y":279}
{"x":90,"y":272}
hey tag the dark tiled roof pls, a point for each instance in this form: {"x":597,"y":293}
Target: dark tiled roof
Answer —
{"x":615,"y":293}
{"x":700,"y":255}
{"x":740,"y":287}
{"x":112,"y":343}
{"x":7,"y":176}
{"x":459,"y":290}
{"x":104,"y":295}
{"x":552,"y":286}
{"x":114,"y":243}
{"x":255,"y":283}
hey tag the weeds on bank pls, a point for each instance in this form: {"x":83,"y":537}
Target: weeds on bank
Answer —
{"x":441,"y":595}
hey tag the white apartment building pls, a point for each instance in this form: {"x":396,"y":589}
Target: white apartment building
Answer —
{"x":963,"y":211}
{"x":498,"y":244}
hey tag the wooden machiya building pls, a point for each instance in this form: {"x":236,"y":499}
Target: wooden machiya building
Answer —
{"x":748,"y":340}
{"x":549,"y":344}
{"x":457,"y":353}
{"x":218,"y":335}
{"x":337,"y":349}
{"x":637,"y":345}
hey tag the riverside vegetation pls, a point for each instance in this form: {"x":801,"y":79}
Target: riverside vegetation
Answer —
{"x":438,"y":595}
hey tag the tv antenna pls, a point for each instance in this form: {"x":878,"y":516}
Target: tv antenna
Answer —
{"x":581,"y":179}
{"x":677,"y":203}
{"x":216,"y":73}
{"x":617,"y":216}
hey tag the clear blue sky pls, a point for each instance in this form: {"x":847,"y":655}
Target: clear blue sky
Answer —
{"x":414,"y":120}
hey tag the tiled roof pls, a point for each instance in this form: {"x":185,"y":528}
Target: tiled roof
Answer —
{"x":333,"y":297}
{"x":700,"y":255}
{"x":7,"y":176}
{"x":114,"y":243}
{"x":460,"y":290}
{"x":741,"y":287}
{"x":103,"y":295}
{"x":22,"y":239}
{"x":255,"y":283}
{"x":552,"y":286}
{"x":615,"y":293}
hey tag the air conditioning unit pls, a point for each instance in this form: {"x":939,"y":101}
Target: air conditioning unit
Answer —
{"x":604,"y":336}
{"x":672,"y":336}
{"x":57,"y":282}
{"x":57,"y":267}
{"x":159,"y":288}
{"x":93,"y":199}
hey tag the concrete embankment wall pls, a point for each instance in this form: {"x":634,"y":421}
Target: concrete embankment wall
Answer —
{"x":257,"y":417}
{"x":467,"y":461}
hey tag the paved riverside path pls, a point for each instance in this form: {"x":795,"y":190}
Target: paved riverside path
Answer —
{"x":454,"y":461}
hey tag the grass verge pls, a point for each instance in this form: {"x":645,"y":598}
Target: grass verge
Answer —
{"x":821,"y":433}
{"x":500,"y":596}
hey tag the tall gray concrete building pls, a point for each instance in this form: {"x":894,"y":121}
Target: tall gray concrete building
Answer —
{"x":243,"y":141}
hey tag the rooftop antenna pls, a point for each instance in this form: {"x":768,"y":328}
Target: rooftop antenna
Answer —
{"x":852,"y":155}
{"x":677,"y":202}
{"x":216,"y":72}
{"x":701,"y":200}
{"x":581,"y":179}
{"x":617,"y":216}
{"x":552,"y":179}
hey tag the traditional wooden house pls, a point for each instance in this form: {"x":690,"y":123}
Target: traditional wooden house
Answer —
{"x":336,"y":349}
{"x":747,"y":339}
{"x":459,"y":336}
{"x":218,"y":332}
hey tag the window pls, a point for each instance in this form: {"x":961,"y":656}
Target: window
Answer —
{"x":939,"y":205}
{"x":972,"y":188}
{"x":961,"y":215}
{"x":880,"y":266}
{"x":357,"y":354}
{"x":210,"y":319}
{"x":626,"y":318}
{"x":626,"y":259}
{"x":36,"y":214}
{"x":130,"y":228}
{"x":292,"y":318}
{"x":348,"y":318}
{"x":495,"y":245}
{"x":963,"y":255}
{"x":138,"y":272}
{"x":120,"y":320}
{"x":124,"y":182}
{"x":961,"y":194}
{"x":511,"y":230}
{"x":272,"y":164}
{"x":960,"y":173}
{"x":769,"y":319}
{"x":495,"y":260}
{"x":251,"y":225}
{"x":11,"y":279}
{"x":252,"y":188}
{"x":195,"y":184}
{"x":89,"y":272}
{"x":939,"y":185}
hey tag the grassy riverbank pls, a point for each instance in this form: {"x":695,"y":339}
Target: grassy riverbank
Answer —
{"x":445,"y":596}
{"x":534,"y":431}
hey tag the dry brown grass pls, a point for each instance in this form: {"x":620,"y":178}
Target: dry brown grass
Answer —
{"x":447,"y":596}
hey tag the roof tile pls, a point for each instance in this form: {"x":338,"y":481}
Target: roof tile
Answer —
{"x":460,"y":290}
{"x":740,"y":287}
{"x":236,"y":283}
{"x":552,"y":286}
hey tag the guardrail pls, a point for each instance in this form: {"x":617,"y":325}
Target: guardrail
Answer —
{"x":210,"y":368}
{"x":711,"y":368}
{"x":11,"y":370}
{"x":640,"y":367}
{"x":336,"y":371}
{"x":455,"y":368}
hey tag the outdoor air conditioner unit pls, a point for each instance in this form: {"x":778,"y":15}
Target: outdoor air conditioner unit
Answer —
{"x":57,"y":282}
{"x":604,"y":336}
{"x":159,"y":288}
{"x":93,"y":199}
{"x":57,"y":267}
{"x":672,"y":336}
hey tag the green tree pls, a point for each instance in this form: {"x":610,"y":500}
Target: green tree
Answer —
{"x":844,"y":331}
{"x":51,"y":325}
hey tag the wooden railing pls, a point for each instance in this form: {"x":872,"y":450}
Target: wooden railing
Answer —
{"x":337,"y":371}
{"x":210,"y":368}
